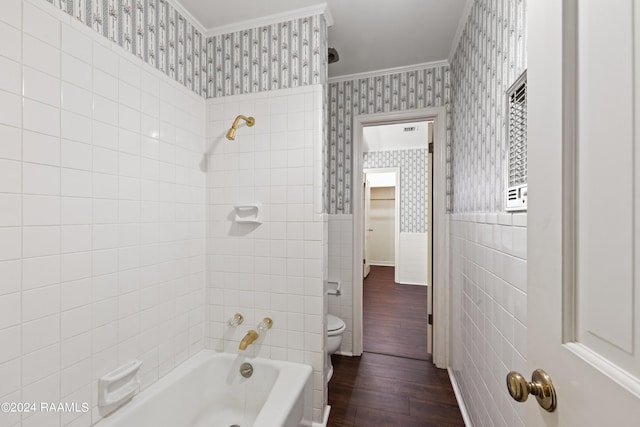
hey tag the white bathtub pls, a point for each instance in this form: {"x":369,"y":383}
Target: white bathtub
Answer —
{"x":208,"y":390}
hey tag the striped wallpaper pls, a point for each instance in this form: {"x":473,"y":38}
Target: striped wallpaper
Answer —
{"x":414,"y":184}
{"x":152,"y":30}
{"x":401,"y":91}
{"x":489,"y":58}
{"x":278,"y":56}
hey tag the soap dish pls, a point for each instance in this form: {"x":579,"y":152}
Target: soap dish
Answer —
{"x":248,"y":213}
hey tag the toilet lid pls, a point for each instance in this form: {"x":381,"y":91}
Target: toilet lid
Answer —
{"x":334,"y":323}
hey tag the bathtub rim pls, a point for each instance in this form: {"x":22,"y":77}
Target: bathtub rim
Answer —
{"x":292,"y":378}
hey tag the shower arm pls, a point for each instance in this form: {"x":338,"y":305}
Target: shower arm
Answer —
{"x":231,"y":134}
{"x":250,"y":121}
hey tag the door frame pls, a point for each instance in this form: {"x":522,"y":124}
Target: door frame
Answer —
{"x":440,"y":233}
{"x":396,"y":207}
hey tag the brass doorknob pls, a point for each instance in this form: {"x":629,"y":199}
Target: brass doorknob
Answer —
{"x":540,"y":386}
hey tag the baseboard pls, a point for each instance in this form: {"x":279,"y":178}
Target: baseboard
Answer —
{"x":325,"y":421}
{"x":344,"y":353}
{"x":456,"y":390}
{"x":413,"y":283}
{"x":383,"y":263}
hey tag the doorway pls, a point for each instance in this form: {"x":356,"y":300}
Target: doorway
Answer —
{"x":396,"y":239}
{"x":381,"y":217}
{"x":440,"y":228}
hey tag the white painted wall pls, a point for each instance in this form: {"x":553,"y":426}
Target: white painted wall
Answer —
{"x":412,"y":265}
{"x":102,"y":214}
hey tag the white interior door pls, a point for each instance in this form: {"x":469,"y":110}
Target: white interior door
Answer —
{"x":367,"y":225}
{"x":382,"y":240}
{"x":583,"y":233}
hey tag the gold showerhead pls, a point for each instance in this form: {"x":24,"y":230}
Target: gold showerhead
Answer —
{"x":231,"y":134}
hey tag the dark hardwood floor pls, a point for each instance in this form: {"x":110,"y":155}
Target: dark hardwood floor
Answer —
{"x":393,"y":383}
{"x":395,"y":316}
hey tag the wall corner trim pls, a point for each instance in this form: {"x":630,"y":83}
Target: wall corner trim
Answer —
{"x":184,"y":12}
{"x":461,"y":25}
{"x":319,"y":9}
{"x":384,"y":72}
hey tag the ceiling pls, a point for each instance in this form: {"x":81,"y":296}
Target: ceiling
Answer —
{"x":369,"y":35}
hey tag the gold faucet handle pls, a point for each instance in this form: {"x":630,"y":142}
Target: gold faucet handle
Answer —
{"x":236,"y":320}
{"x":266,"y":323}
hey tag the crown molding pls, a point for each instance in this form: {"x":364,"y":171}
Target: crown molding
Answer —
{"x":184,"y":12}
{"x":461,"y":24}
{"x":319,"y":9}
{"x":379,"y":73}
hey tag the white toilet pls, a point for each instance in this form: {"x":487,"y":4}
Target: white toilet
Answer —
{"x":335,"y":329}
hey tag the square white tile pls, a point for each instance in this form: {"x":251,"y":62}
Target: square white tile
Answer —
{"x":76,"y":127}
{"x":76,"y":210}
{"x":41,"y":271}
{"x":40,"y":241}
{"x":40,"y":302}
{"x":76,"y":183}
{"x":40,"y":148}
{"x":40,"y":210}
{"x":41,"y":56}
{"x":10,"y":75}
{"x":40,"y":179}
{"x":10,"y":109}
{"x":76,"y":43}
{"x":38,"y":23}
{"x":75,"y":266}
{"x":12,"y":41}
{"x":40,"y":117}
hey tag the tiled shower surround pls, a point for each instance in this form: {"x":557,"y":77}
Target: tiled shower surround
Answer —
{"x":273,"y":268}
{"x":106,"y":210}
{"x":102,"y":214}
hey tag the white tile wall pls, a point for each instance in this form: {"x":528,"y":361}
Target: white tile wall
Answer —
{"x":341,"y":268}
{"x":102,"y":238}
{"x":274,"y":268}
{"x":489,"y":312}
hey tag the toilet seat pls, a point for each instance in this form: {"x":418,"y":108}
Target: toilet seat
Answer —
{"x":335,"y":325}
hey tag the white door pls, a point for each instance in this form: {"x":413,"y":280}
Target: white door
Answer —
{"x":367,"y":225}
{"x":584,"y":206}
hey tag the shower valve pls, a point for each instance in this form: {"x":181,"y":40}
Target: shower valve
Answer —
{"x":236,"y":320}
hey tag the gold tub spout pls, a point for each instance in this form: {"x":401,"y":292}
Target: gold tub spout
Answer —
{"x":248,"y":339}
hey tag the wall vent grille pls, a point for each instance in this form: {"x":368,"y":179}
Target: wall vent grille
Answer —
{"x":516,"y":194}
